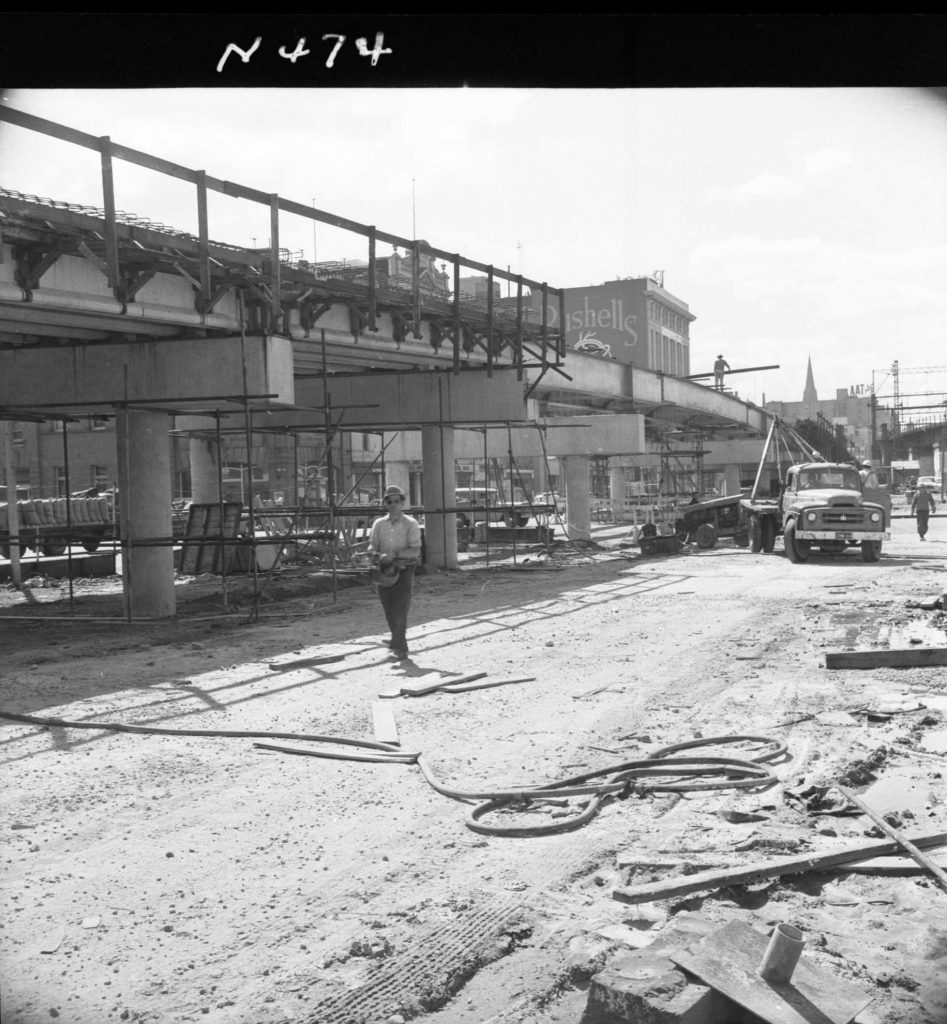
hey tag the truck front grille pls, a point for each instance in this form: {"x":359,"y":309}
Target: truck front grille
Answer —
{"x":844,"y":519}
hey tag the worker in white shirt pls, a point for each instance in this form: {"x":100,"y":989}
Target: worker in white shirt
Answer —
{"x":395,"y":543}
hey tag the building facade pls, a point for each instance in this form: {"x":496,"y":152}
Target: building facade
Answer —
{"x":631,"y":319}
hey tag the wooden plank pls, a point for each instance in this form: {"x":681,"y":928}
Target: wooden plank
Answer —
{"x":761,"y":870}
{"x":728,"y":960}
{"x":463,"y":687}
{"x":419,"y":689}
{"x":324,"y":659}
{"x":908,"y":657}
{"x":384,"y":724}
{"x":892,"y":866}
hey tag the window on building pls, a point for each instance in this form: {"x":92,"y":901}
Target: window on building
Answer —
{"x":61,"y":481}
{"x":58,"y":426}
{"x":182,"y":485}
{"x":100,"y":477}
{"x":100,"y":422}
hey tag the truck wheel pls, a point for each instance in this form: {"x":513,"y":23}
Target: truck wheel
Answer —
{"x":756,"y":534}
{"x":871,"y":550}
{"x":53,"y":547}
{"x":706,"y":535}
{"x":796,"y":550}
{"x":741,"y":539}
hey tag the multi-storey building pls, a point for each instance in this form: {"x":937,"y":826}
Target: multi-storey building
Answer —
{"x":631,"y":319}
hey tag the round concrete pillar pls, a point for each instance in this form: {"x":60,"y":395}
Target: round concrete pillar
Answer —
{"x":440,"y":529}
{"x":205,"y":480}
{"x":202,"y":458}
{"x":576,"y":473}
{"x":144,"y":486}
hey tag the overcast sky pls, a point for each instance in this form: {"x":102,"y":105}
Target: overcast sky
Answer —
{"x":793,"y":222}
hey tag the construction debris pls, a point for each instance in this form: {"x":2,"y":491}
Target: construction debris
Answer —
{"x":384,"y":724}
{"x":460,"y":685}
{"x":907,"y":657}
{"x":766,"y":977}
{"x":288,"y":666}
{"x":762,"y":870}
{"x":898,"y":836}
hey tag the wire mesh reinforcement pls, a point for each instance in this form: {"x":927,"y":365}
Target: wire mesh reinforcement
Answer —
{"x":428,"y":973}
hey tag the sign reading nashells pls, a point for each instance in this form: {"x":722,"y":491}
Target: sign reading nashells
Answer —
{"x":631,"y":320}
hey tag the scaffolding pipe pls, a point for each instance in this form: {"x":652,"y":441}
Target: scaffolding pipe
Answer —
{"x":509,"y":448}
{"x":247,"y":425}
{"x":444,"y":502}
{"x":759,"y":468}
{"x":220,"y":506}
{"x":330,"y":476}
{"x":125,"y":517}
{"x":486,"y":494}
{"x":13,"y":509}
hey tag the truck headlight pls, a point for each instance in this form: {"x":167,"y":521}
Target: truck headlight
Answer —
{"x":812,"y":516}
{"x":875,"y":516}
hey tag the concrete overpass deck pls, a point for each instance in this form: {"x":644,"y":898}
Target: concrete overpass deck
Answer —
{"x":105,"y":313}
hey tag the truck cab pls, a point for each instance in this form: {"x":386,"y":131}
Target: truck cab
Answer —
{"x":823,"y":505}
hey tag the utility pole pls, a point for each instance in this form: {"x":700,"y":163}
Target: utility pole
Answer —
{"x":896,"y":420}
{"x":873,"y":451}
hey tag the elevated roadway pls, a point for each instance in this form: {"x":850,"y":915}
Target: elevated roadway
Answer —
{"x":106,"y":313}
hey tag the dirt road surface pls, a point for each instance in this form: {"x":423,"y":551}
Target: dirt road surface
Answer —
{"x":166,"y":878}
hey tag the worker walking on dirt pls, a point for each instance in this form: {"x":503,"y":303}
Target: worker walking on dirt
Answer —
{"x":720,"y":366}
{"x":922,"y":506}
{"x":395,"y":544}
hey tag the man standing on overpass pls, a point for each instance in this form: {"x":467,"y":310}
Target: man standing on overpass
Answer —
{"x":720,"y":365}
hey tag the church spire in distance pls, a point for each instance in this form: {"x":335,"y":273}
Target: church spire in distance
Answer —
{"x":809,"y":395}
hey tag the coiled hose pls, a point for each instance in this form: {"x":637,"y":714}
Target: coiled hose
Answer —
{"x":683,"y":774}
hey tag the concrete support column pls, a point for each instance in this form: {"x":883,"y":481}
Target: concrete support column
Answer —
{"x":144,"y":485}
{"x":205,"y":480}
{"x":731,"y":478}
{"x":575,"y":470}
{"x":616,"y":486}
{"x":440,"y":530}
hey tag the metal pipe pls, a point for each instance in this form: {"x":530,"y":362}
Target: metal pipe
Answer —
{"x":782,"y":954}
{"x":125,"y":518}
{"x":759,"y":468}
{"x":220,"y":503}
{"x":509,"y":448}
{"x":65,"y":459}
{"x":248,"y":432}
{"x":13,"y":509}
{"x":898,"y":836}
{"x":486,"y":495}
{"x":444,"y":500}
{"x":330,"y":476}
